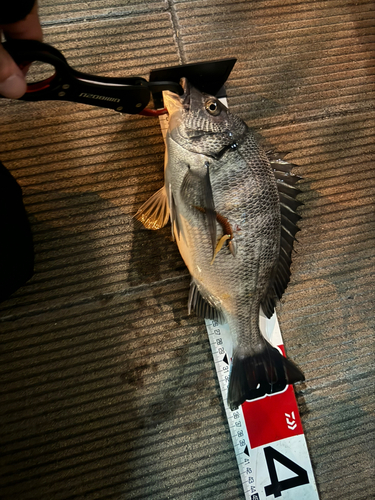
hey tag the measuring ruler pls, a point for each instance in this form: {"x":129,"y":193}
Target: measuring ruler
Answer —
{"x":267,"y":433}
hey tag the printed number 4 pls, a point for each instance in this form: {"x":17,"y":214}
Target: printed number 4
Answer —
{"x":276,"y":486}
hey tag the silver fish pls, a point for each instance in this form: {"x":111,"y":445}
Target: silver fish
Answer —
{"x":232,"y":210}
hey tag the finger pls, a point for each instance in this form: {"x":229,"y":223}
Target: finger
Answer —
{"x":12,"y":81}
{"x":28,"y":28}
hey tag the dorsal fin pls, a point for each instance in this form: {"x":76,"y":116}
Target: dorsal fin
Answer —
{"x":286,"y":184}
{"x":287,"y":177}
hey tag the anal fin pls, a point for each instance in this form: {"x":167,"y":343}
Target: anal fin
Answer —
{"x":202,"y":307}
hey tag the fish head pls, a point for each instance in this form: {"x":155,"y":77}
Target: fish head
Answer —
{"x":200,"y":123}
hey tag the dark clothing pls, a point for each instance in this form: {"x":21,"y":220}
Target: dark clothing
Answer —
{"x":16,"y":244}
{"x":15,"y":10}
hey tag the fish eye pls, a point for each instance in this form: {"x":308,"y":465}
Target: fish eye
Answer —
{"x":212,"y":106}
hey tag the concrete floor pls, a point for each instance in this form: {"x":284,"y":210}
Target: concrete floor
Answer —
{"x":108,"y":388}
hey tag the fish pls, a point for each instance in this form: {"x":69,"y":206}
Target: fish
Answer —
{"x":233,"y":212}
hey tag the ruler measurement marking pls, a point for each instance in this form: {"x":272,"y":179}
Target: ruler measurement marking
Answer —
{"x":241,"y":442}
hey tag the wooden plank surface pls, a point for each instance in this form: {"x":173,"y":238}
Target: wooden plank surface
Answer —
{"x":108,"y":388}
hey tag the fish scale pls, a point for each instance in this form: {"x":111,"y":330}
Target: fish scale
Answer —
{"x":251,"y":264}
{"x":214,"y":171}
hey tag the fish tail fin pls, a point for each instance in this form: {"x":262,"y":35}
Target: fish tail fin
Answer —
{"x":255,"y":374}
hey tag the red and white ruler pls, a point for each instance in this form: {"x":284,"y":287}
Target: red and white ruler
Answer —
{"x":267,"y":433}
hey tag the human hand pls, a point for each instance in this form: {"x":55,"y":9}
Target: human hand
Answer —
{"x":12,"y":78}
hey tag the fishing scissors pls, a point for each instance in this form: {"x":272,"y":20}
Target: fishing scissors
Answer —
{"x":126,"y":95}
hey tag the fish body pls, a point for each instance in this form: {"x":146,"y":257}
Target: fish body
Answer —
{"x":222,"y":198}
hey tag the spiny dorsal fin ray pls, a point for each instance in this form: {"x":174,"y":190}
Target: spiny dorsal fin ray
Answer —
{"x":282,"y":165}
{"x":289,"y":225}
{"x":289,"y":213}
{"x":285,"y":244}
{"x":288,"y":189}
{"x":287,"y":177}
{"x":289,"y":201}
{"x":277,"y":161}
{"x":288,"y":237}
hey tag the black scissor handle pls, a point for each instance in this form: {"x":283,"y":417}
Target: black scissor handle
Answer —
{"x":127,"y":95}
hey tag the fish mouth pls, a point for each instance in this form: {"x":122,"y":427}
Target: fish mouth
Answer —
{"x":195,"y":100}
{"x":186,"y":96}
{"x":192,"y":99}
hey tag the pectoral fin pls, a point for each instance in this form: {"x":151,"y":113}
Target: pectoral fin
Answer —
{"x":196,"y":190}
{"x":154,"y":213}
{"x":210,"y":207}
{"x":175,"y":226}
